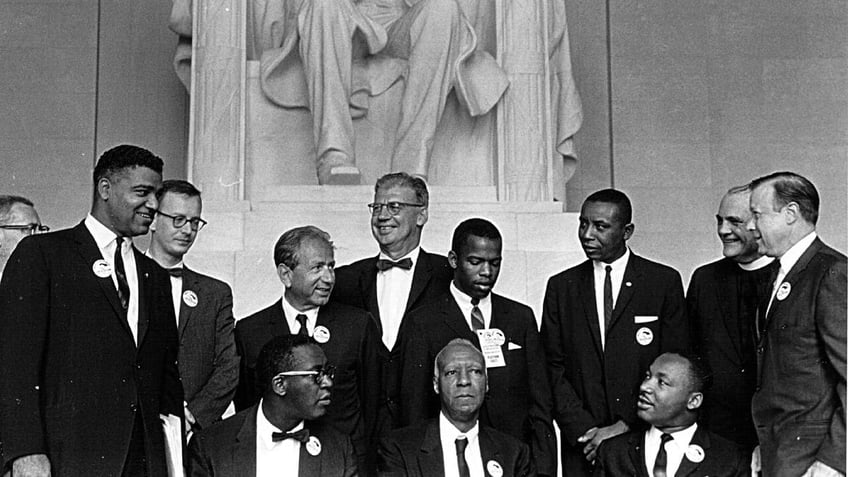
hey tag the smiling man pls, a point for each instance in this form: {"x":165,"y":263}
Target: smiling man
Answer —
{"x":603,"y":322}
{"x":88,"y":338}
{"x":18,"y":219}
{"x":282,"y":434}
{"x":670,"y":398}
{"x":519,"y":401}
{"x":306,"y":268}
{"x":455,"y":444}
{"x":722,"y":307}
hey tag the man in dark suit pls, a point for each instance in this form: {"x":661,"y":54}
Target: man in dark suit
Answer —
{"x":670,"y":398}
{"x":519,"y":400}
{"x":722,"y":307}
{"x":88,"y":341}
{"x":603,"y":322}
{"x":799,"y":404}
{"x":305,"y":266}
{"x":18,"y":219}
{"x":280,"y":435}
{"x":401,"y":278}
{"x":204,"y":306}
{"x":455,"y":443}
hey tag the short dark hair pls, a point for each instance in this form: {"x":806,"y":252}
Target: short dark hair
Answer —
{"x":8,"y":201}
{"x":123,"y":157}
{"x":700,"y":373}
{"x":176,"y":186}
{"x":277,"y":356}
{"x":792,"y":187}
{"x":617,"y":198}
{"x":403,"y":179}
{"x":287,"y":246}
{"x":475,"y":227}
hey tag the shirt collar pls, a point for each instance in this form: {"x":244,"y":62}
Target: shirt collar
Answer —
{"x":291,"y":312}
{"x":449,"y":432}
{"x":618,"y":264}
{"x":791,"y":257}
{"x":264,"y":428}
{"x":178,"y":265}
{"x":682,"y":437}
{"x":464,"y":301}
{"x":412,"y":255}
{"x":103,"y":236}
{"x":756,"y":264}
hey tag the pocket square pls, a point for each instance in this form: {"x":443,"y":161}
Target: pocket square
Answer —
{"x":511,"y":346}
{"x":645,"y":319}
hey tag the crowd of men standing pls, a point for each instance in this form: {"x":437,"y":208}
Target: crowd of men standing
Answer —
{"x":407,"y":363}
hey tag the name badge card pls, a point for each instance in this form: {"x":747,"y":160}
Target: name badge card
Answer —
{"x":491,"y":341}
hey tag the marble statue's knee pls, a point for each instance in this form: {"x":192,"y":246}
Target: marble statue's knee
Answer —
{"x":436,"y":19}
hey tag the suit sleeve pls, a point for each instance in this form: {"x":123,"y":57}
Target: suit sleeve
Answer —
{"x":171,"y":399}
{"x":351,"y":468}
{"x":674,"y":326}
{"x":212,"y":399}
{"x":831,"y":324}
{"x":246,"y":389}
{"x":24,"y":316}
{"x":600,"y":462}
{"x":369,"y":384}
{"x":543,"y":443}
{"x":417,"y":374}
{"x":692,"y":304}
{"x":524,"y":465}
{"x":199,"y":464}
{"x":390,"y":461}
{"x":572,"y":417}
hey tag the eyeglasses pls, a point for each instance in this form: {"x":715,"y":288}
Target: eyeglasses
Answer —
{"x":179,"y":220}
{"x":394,"y":208}
{"x":318,"y":375}
{"x":27,"y":229}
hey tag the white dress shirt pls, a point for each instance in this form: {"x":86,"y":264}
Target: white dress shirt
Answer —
{"x":756,"y":264}
{"x":291,"y":313}
{"x":788,"y":260}
{"x":275,"y":459}
{"x":176,"y":287}
{"x":616,"y":276}
{"x":393,"y":286}
{"x":464,"y":302}
{"x":106,"y":241}
{"x":675,"y":449}
{"x":448,"y":434}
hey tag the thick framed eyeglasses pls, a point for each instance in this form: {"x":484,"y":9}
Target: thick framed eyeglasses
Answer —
{"x":318,"y":375}
{"x":27,"y":229}
{"x":179,"y":220}
{"x":394,"y":208}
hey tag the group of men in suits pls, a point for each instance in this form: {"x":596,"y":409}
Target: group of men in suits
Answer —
{"x":83,"y":311}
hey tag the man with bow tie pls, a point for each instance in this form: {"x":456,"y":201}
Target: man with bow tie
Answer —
{"x":401,"y":278}
{"x":203,"y":306}
{"x":280,"y":435}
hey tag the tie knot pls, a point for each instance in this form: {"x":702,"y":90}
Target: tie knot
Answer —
{"x":608,"y":268}
{"x":665,"y":438}
{"x":176,"y":272}
{"x":475,"y":301}
{"x":461,"y":444}
{"x":385,"y":264}
{"x":301,"y":319}
{"x":300,"y":436}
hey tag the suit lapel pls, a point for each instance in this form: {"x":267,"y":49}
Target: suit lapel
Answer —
{"x":636,"y":451}
{"x":727,"y":291}
{"x":489,"y":451}
{"x":309,"y":465}
{"x":277,"y":323}
{"x":792,"y":277}
{"x":90,"y":254}
{"x":590,"y":309}
{"x":143,"y":274}
{"x":368,"y":280}
{"x":632,"y":275}
{"x":190,"y":282}
{"x":420,"y":279}
{"x":244,"y":451}
{"x":702,"y":439}
{"x":430,"y":461}
{"x":454,"y":319}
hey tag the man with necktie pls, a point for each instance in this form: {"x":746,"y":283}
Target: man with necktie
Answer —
{"x":455,"y":444}
{"x":203,"y":305}
{"x":88,"y":337}
{"x":282,"y":434}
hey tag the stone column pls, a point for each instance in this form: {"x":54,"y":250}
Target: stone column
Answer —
{"x":216,"y":117}
{"x":524,"y":114}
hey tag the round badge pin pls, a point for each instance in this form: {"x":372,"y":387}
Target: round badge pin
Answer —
{"x":695,"y":453}
{"x":783,"y":291}
{"x":101,"y":268}
{"x":321,"y":334}
{"x":644,"y":336}
{"x":313,"y":446}
{"x":628,"y":284}
{"x":190,"y":298}
{"x":498,"y":337}
{"x":494,"y":468}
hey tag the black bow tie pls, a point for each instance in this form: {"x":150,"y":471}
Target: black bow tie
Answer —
{"x":384,"y":264}
{"x":175,"y":272}
{"x":301,"y":436}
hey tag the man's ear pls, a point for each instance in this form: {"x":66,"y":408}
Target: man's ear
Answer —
{"x":279,"y":385}
{"x":628,"y":231}
{"x":104,"y":188}
{"x":284,"y":273}
{"x":453,"y":259}
{"x":695,"y":400}
{"x":422,"y":217}
{"x":436,"y":384}
{"x":793,"y":212}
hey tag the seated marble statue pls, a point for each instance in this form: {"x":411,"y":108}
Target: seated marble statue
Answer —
{"x":331,"y":56}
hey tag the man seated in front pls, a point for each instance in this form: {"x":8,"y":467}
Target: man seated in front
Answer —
{"x":279,"y":435}
{"x":669,"y":401}
{"x":455,"y":444}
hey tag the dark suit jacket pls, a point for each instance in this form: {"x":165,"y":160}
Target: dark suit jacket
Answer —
{"x":594,"y":386}
{"x":228,"y":448}
{"x":356,"y":285}
{"x":208,"y":360}
{"x":624,"y":455}
{"x":352,"y":348}
{"x":727,"y":342}
{"x":799,"y":408}
{"x":519,"y":401}
{"x":416,"y":451}
{"x":71,"y":376}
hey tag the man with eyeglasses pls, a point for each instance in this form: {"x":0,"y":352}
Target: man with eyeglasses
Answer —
{"x":203,"y":306}
{"x":18,"y":219}
{"x":401,"y":278}
{"x":348,"y":336}
{"x":283,"y":433}
{"x":88,"y":341}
